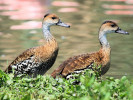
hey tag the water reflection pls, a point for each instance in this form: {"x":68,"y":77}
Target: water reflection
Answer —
{"x":119,"y":12}
{"x":64,"y":3}
{"x":68,"y":10}
{"x":22,"y":9}
{"x":126,"y":1}
{"x":119,"y":9}
{"x":118,"y":6}
{"x":85,"y":16}
{"x":115,"y":0}
{"x":27,"y":25}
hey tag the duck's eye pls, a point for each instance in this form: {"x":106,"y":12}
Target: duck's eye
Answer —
{"x":113,"y":25}
{"x":54,"y":17}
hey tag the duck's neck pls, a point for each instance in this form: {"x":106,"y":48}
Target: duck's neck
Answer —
{"x":103,"y":39}
{"x":46,"y":32}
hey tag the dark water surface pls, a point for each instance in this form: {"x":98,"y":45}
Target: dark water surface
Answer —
{"x":20,"y":28}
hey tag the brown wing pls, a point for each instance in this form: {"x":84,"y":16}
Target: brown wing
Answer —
{"x":75,"y":63}
{"x":25,"y":55}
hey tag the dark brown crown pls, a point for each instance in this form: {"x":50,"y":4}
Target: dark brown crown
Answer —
{"x":46,"y":15}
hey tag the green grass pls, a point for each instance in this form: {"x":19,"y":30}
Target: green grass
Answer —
{"x":46,"y":88}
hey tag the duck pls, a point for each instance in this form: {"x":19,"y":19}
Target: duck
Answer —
{"x":82,"y":62}
{"x":38,"y":60}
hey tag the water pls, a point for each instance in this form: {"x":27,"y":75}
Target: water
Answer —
{"x":20,"y":23}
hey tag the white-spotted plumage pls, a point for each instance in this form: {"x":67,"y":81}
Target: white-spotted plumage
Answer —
{"x":76,"y":72}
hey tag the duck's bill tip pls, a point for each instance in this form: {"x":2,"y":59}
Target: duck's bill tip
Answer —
{"x":60,"y":23}
{"x":122,"y":32}
{"x":63,"y":24}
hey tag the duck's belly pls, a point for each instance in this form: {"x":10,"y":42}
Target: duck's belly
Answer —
{"x":105,"y":68}
{"x":43,"y":67}
{"x":32,"y":68}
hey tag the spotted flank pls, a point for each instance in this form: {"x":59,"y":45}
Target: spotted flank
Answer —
{"x":77,"y":72}
{"x":27,"y":66}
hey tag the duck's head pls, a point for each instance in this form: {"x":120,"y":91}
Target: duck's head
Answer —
{"x":52,"y":19}
{"x":111,"y":27}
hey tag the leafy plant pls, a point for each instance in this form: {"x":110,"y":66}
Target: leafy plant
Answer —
{"x":91,"y":87}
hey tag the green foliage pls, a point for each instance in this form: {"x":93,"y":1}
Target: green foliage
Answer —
{"x":91,"y":87}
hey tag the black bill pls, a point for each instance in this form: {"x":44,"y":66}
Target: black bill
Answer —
{"x":62,"y":24}
{"x":121,"y":31}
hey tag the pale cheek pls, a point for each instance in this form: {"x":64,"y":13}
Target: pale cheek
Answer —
{"x":109,"y":31}
{"x":49,"y":21}
{"x":114,"y":28}
{"x":55,"y":21}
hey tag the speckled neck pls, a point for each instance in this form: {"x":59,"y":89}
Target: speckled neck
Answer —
{"x":46,"y":32}
{"x":103,"y":39}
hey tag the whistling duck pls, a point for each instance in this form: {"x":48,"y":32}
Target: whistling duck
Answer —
{"x":101,"y":58}
{"x":38,"y":60}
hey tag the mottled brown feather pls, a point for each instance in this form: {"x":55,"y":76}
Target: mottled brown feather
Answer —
{"x":39,"y":59}
{"x":25,"y":55}
{"x":40,"y":53}
{"x":102,"y":57}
